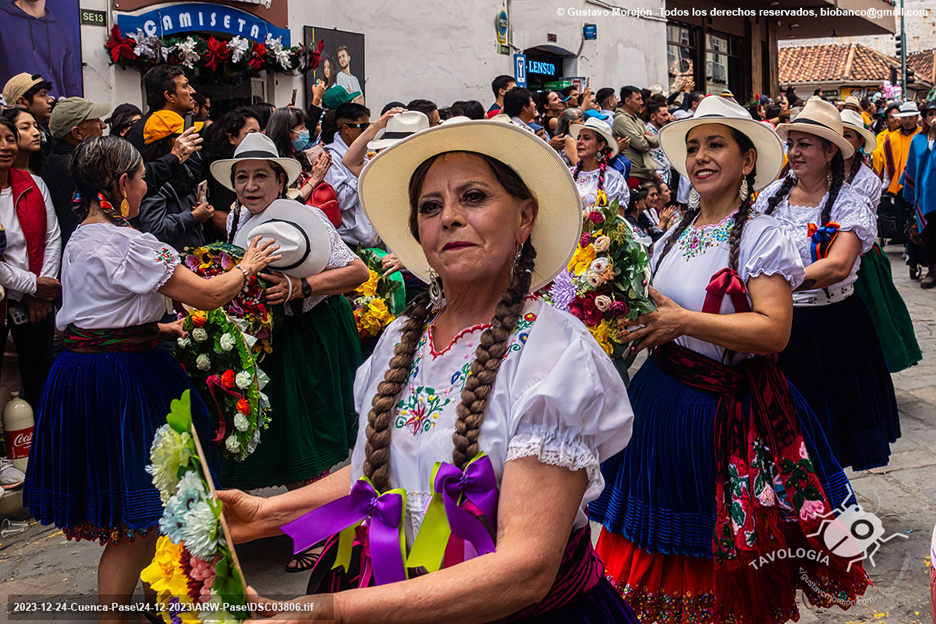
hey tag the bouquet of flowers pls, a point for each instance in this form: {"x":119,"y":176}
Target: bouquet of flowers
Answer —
{"x":606,"y":283}
{"x":219,"y":258}
{"x":375,"y":302}
{"x":217,"y":356}
{"x":195,"y":572}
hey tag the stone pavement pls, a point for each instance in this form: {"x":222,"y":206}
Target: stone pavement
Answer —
{"x":903,"y":496}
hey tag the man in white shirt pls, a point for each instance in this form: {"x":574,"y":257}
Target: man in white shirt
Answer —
{"x":520,"y":107}
{"x":659,"y":117}
{"x":355,"y":229}
{"x":345,"y":78}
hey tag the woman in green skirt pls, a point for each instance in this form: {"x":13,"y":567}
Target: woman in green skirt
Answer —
{"x":316,"y":350}
{"x":875,"y":283}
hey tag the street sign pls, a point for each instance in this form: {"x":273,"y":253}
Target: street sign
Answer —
{"x":520,"y":70}
{"x":90,"y":17}
{"x":501,"y":25}
{"x":590,"y":31}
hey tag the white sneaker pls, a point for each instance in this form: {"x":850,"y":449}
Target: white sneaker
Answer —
{"x":10,"y":476}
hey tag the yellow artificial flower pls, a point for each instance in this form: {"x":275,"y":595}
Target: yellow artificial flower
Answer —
{"x":166,"y":577}
{"x":602,"y":333}
{"x":582,"y":259}
{"x":378,"y":308}
{"x":369,"y":288}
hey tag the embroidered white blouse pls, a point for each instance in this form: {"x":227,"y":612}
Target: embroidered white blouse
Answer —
{"x":868,"y":186}
{"x":614,"y":187}
{"x":557,"y":397}
{"x":111,"y":276}
{"x":700,"y":252}
{"x":850,"y":211}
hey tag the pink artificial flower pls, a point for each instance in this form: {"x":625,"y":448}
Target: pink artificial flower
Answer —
{"x":596,"y":217}
{"x":811,"y":509}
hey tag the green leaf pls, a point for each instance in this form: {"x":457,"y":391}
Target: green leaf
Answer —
{"x":180,"y":413}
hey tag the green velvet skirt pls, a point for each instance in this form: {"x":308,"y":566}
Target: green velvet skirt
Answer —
{"x":888,"y":311}
{"x":313,"y":423}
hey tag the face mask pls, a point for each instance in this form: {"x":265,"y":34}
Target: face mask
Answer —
{"x":302,"y":141}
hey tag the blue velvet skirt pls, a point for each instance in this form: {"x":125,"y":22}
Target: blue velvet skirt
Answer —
{"x":94,"y":427}
{"x":660,"y":490}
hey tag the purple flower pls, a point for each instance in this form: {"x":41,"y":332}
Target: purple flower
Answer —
{"x":618,"y":308}
{"x":192,"y":262}
{"x":227,"y":262}
{"x":562,"y":291}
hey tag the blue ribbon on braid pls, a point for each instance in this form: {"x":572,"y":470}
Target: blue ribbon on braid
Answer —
{"x":822,"y":239}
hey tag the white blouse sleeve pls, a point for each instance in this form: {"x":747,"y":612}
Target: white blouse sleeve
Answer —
{"x":868,"y":186}
{"x":760,"y":204}
{"x":615,"y":187}
{"x":766,"y":249}
{"x":851,"y":213}
{"x":144,"y":263}
{"x":574,"y":412}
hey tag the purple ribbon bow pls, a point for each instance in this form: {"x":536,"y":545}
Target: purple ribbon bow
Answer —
{"x":478,"y":485}
{"x":385,"y":514}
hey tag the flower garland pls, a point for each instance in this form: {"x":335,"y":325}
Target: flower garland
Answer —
{"x":234,"y":57}
{"x":193,"y":573}
{"x":373,"y":301}
{"x":217,"y":356}
{"x":606,"y":282}
{"x":219,"y":258}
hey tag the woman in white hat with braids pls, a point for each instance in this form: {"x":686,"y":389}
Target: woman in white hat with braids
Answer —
{"x":598,"y":182}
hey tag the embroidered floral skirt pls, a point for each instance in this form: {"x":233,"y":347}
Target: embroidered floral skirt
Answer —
{"x":658,"y":508}
{"x":94,"y":427}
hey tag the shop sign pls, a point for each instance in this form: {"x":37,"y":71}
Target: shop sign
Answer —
{"x":501,"y":25}
{"x":175,"y":19}
{"x":520,"y":70}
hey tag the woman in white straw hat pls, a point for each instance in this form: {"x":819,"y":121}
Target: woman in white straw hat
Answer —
{"x":727,"y":463}
{"x":315,"y":343}
{"x":834,"y":356}
{"x":480,"y":398}
{"x":875,"y":283}
{"x":599,"y":184}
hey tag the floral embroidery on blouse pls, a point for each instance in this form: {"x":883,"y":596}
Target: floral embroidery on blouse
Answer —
{"x":696,"y":240}
{"x":164,"y":255}
{"x":421,"y":410}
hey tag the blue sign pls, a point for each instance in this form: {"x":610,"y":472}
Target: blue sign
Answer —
{"x":520,"y":70}
{"x":502,"y":23}
{"x":541,"y":67}
{"x":176,"y":19}
{"x":590,"y":31}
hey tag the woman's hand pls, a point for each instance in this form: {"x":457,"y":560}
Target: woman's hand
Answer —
{"x":318,"y":90}
{"x":320,"y":167}
{"x":280,"y":291}
{"x":244,"y":514}
{"x":259,"y":256}
{"x":666,"y":218}
{"x":381,"y":123}
{"x":171,"y":331}
{"x":661,"y":326}
{"x":202,"y":212}
{"x":390,"y":264}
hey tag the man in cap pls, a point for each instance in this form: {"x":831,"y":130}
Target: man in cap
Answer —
{"x":73,"y":120}
{"x":919,"y":187}
{"x":167,"y":88}
{"x":31,"y":91}
{"x":895,"y":150}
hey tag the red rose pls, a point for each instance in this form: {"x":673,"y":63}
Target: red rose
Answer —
{"x":586,"y":239}
{"x":619,"y":308}
{"x":584,"y":309}
{"x":227,"y":379}
{"x":596,"y":217}
{"x":243,"y":406}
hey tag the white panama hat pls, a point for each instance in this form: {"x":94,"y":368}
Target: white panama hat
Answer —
{"x":601,"y":127}
{"x":399,"y":127}
{"x":718,"y":110}
{"x":908,"y":109}
{"x":303,"y":237}
{"x":821,"y":119}
{"x":384,"y":190}
{"x":255,"y":146}
{"x":853,"y":121}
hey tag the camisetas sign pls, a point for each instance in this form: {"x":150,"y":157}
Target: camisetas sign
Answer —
{"x":175,"y":19}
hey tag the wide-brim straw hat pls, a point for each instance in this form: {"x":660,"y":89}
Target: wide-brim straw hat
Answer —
{"x":820,"y":119}
{"x":398,"y":128}
{"x":383,"y":190}
{"x":853,"y":121}
{"x":599,"y":126}
{"x":255,"y":146}
{"x":718,"y":110}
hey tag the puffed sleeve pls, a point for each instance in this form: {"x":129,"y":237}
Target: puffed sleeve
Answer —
{"x":616,"y":188}
{"x":851,"y":213}
{"x":766,"y":249}
{"x":572,"y":410}
{"x":144,"y":264}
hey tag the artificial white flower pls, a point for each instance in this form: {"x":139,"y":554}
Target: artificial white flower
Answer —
{"x":274,"y":43}
{"x":254,"y":441}
{"x":167,"y":453}
{"x":282,"y":57}
{"x":603,"y":302}
{"x":594,"y":279}
{"x":150,"y":46}
{"x":599,"y":265}
{"x":227,"y":342}
{"x":203,"y":362}
{"x":200,"y":531}
{"x":602,"y":243}
{"x":184,"y":343}
{"x":240,"y":422}
{"x":238,"y":47}
{"x":189,"y":55}
{"x":243,"y":379}
{"x":199,"y":334}
{"x":231,"y":444}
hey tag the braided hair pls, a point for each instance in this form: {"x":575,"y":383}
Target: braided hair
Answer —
{"x":858,"y":160}
{"x":837,"y":167}
{"x":489,"y":354}
{"x":96,"y":167}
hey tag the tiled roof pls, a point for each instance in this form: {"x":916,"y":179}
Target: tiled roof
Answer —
{"x":833,"y":62}
{"x":924,"y":64}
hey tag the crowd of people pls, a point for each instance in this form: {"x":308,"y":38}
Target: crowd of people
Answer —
{"x":762,"y":225}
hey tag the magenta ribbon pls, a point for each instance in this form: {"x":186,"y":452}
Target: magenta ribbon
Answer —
{"x":476,"y":485}
{"x":725,"y":282}
{"x":384,"y":513}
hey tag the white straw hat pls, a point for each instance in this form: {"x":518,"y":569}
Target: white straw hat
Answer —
{"x":718,"y":110}
{"x":599,"y":126}
{"x":384,"y":190}
{"x":853,"y":121}
{"x":821,"y":119}
{"x":255,"y":146}
{"x":399,"y":127}
{"x":908,"y":109}
{"x":301,"y":234}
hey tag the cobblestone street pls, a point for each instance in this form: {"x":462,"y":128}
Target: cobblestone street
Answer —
{"x":41,"y":562}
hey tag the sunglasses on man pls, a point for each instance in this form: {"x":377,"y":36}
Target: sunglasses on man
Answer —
{"x":362,"y":126}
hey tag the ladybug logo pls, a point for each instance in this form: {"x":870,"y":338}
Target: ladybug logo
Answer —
{"x":853,"y":533}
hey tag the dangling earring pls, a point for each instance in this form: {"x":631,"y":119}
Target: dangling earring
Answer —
{"x":436,"y":295}
{"x":694,"y":200}
{"x":124,"y":207}
{"x":743,"y":193}
{"x":791,"y":174}
{"x":516,"y":261}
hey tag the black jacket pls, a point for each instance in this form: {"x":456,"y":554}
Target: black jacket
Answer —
{"x":61,"y":186}
{"x":168,"y":217}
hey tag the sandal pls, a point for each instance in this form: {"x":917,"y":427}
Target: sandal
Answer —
{"x":304,"y":561}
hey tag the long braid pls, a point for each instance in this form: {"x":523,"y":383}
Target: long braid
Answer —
{"x":838,"y":179}
{"x":688,"y":218}
{"x":857,"y":161}
{"x":488,"y":357}
{"x":737,"y":228}
{"x":377,"y":449}
{"x":578,"y":170}
{"x":603,"y":159}
{"x":774,"y":200}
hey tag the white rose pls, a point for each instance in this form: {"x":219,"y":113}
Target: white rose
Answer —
{"x":240,"y":422}
{"x":599,"y":265}
{"x":242,"y":380}
{"x":227,"y":342}
{"x":603,"y":302}
{"x":203,"y":362}
{"x":231,"y":444}
{"x":199,"y":334}
{"x":184,"y":343}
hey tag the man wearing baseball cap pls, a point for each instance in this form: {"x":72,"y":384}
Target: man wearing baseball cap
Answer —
{"x":73,"y":120}
{"x":31,"y":91}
